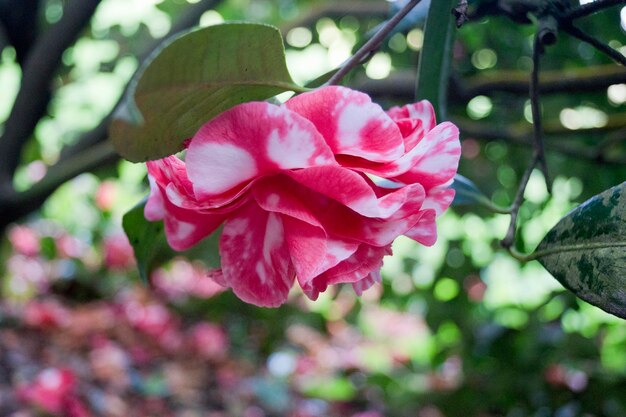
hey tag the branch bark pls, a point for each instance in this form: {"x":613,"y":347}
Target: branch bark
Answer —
{"x":34,"y":94}
{"x":90,"y":152}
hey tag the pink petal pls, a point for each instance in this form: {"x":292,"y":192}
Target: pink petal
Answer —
{"x":425,"y":230}
{"x":364,"y":261}
{"x":435,"y":159}
{"x":307,"y":247}
{"x":248,"y":141}
{"x":438,"y":199}
{"x":184,"y":228}
{"x":414,"y":120}
{"x":366,"y":283}
{"x":312,"y":250}
{"x":432,"y":162}
{"x":255,"y":257}
{"x":155,"y":206}
{"x":350,"y":189}
{"x":350,"y":123}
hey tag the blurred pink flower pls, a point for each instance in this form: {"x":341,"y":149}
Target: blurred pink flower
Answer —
{"x":106,"y":195}
{"x":315,"y":189}
{"x":45,"y":314}
{"x":208,"y":340}
{"x":53,"y":391}
{"x":25,"y":240}
{"x":118,"y":254}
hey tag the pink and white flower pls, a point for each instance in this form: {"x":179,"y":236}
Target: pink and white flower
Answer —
{"x":315,"y":190}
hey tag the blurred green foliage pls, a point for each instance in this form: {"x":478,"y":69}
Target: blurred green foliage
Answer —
{"x":459,"y":329}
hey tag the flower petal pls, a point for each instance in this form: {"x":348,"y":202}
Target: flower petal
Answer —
{"x":255,"y":257}
{"x":435,"y":159}
{"x":183,"y":228}
{"x":414,"y":121}
{"x":155,"y":206}
{"x":425,"y":230}
{"x":439,"y":199}
{"x":357,"y":267}
{"x":366,"y":283}
{"x":350,"y":189}
{"x":248,"y":141}
{"x":350,"y":123}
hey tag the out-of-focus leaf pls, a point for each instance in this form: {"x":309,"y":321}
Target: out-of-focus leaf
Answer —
{"x":586,"y":251}
{"x":434,"y":64}
{"x":193,"y":78}
{"x":331,"y":389}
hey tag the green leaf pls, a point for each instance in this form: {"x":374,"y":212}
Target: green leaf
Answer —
{"x":193,"y":78}
{"x":151,"y":248}
{"x":467,"y":193}
{"x":146,"y":238}
{"x":586,"y":251}
{"x":434,"y":63}
{"x":329,"y":388}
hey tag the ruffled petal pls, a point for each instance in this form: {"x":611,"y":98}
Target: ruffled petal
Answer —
{"x":366,"y":283}
{"x":439,"y":199}
{"x":355,"y":268}
{"x":350,"y":123}
{"x":312,"y":250}
{"x":183,"y":228}
{"x":414,"y":121}
{"x":155,"y":206}
{"x":425,"y":230}
{"x":255,"y":256}
{"x":351,"y":189}
{"x":249,"y":141}
{"x":435,"y":159}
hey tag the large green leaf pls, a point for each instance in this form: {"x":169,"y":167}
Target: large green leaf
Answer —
{"x":151,"y":248}
{"x":193,"y":78}
{"x":586,"y":251}
{"x":434,"y":63}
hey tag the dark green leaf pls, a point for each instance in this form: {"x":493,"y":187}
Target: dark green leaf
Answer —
{"x":151,"y":247}
{"x":193,"y":78}
{"x":146,"y":238}
{"x":586,"y":251}
{"x":467,"y":193}
{"x":434,"y":64}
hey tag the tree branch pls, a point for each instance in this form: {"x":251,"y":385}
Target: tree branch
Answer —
{"x":509,"y":239}
{"x":34,"y":94}
{"x":338,"y":9}
{"x":371,"y":45}
{"x":90,"y":152}
{"x":535,"y":104}
{"x":590,"y":8}
{"x":523,"y":137}
{"x":401,"y":84}
{"x":596,"y":43}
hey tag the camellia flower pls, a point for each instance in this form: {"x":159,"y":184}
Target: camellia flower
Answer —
{"x":315,"y":190}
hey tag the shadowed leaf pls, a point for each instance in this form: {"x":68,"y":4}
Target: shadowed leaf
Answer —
{"x":586,"y":251}
{"x":193,"y":78}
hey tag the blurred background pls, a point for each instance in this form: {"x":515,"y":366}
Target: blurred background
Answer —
{"x":458,"y":329}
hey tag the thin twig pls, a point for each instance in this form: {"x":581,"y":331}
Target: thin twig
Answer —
{"x":372,"y":44}
{"x":596,"y":43}
{"x":535,"y":105}
{"x":590,"y":8}
{"x":509,"y":239}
